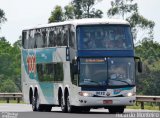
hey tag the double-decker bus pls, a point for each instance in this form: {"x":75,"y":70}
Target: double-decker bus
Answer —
{"x":79,"y":65}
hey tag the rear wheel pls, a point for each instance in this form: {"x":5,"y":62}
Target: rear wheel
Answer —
{"x":36,"y":103}
{"x":70,"y":108}
{"x":116,"y":109}
{"x":63,"y":105}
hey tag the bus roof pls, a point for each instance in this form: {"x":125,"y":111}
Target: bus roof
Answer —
{"x":85,"y":21}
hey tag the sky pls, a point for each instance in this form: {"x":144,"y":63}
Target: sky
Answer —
{"x":23,"y":13}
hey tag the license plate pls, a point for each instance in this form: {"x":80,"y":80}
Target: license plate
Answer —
{"x":107,"y":101}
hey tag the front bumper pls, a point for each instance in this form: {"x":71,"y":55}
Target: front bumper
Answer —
{"x":99,"y":101}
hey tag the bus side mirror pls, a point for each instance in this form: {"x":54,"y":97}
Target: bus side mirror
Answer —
{"x":139,"y":66}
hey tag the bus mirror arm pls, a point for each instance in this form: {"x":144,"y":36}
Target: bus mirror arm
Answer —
{"x":74,"y":61}
{"x":75,"y":69}
{"x":139,"y":64}
{"x":75,"y":66}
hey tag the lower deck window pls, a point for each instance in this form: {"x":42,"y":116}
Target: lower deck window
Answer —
{"x":50,"y":71}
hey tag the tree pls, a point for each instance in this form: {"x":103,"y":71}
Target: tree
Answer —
{"x":69,"y":12}
{"x":2,"y":17}
{"x":149,"y":51}
{"x":85,"y":9}
{"x":128,"y":10}
{"x":56,"y":15}
{"x":77,"y":9}
{"x":10,"y":63}
{"x":8,"y":86}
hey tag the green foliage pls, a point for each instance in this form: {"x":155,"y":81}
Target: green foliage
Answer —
{"x":122,"y":8}
{"x":128,"y":10}
{"x":2,"y":17}
{"x":77,"y":9}
{"x":8,"y":86}
{"x":148,"y":82}
{"x":56,"y":15}
{"x":69,"y":12}
{"x":10,"y":63}
{"x":86,"y":9}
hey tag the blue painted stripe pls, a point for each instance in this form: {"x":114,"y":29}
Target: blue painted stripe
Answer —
{"x":104,"y":88}
{"x":112,"y":53}
{"x":96,"y":88}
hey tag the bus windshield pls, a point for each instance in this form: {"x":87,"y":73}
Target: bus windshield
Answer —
{"x":104,"y":37}
{"x":121,"y":71}
{"x":111,"y":71}
{"x":93,"y":72}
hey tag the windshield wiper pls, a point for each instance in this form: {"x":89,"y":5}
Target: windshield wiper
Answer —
{"x":120,"y":81}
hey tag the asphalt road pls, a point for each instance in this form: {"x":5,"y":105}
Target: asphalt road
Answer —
{"x":25,"y":111}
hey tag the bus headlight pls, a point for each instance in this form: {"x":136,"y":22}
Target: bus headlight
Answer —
{"x":86,"y":94}
{"x":130,"y":94}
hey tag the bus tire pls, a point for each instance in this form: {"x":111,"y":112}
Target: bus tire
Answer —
{"x":35,"y":103}
{"x":63,"y":105}
{"x":70,"y":108}
{"x":116,"y":109}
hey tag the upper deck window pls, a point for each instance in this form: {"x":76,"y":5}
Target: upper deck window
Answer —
{"x":104,"y":37}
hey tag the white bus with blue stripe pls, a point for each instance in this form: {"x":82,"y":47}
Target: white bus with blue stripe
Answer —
{"x":79,"y":65}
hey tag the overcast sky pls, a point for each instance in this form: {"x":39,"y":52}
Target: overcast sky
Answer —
{"x":24,"y":13}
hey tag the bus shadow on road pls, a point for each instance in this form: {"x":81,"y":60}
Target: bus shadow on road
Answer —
{"x":81,"y":112}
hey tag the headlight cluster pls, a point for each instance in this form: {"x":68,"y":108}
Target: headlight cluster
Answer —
{"x":86,"y":94}
{"x":131,"y":94}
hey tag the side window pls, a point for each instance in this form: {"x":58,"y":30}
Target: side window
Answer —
{"x":39,"y":40}
{"x":59,"y":35}
{"x":51,"y":39}
{"x":65,"y":37}
{"x":72,"y":37}
{"x":59,"y":72}
{"x":24,"y":38}
{"x":44,"y":38}
{"x":31,"y":40}
{"x":45,"y":72}
{"x":50,"y":72}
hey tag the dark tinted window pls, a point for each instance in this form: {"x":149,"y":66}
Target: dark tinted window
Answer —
{"x":104,"y":37}
{"x":44,"y":38}
{"x":31,"y":43}
{"x":50,"y":72}
{"x":39,"y":40}
{"x":24,"y":38}
{"x":72,"y":37}
{"x":52,"y":41}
